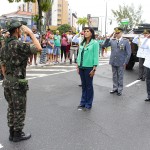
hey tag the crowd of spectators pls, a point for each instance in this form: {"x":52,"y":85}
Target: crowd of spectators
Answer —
{"x":56,"y":48}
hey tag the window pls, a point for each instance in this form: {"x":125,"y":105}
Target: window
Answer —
{"x":59,"y":10}
{"x":59,"y":15}
{"x":59,"y":20}
{"x":59,"y":5}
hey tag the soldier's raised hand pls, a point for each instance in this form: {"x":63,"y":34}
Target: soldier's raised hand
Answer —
{"x":26,"y":29}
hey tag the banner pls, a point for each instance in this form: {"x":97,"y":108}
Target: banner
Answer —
{"x":94,"y":22}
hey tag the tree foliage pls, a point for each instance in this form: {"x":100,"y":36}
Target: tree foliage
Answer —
{"x":125,"y":11}
{"x":43,"y":6}
{"x":64,"y":28}
{"x":82,"y":21}
{"x":11,"y":1}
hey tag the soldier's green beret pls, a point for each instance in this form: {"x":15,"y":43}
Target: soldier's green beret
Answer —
{"x":13,"y":24}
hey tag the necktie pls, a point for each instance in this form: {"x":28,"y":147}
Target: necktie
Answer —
{"x":117,"y":42}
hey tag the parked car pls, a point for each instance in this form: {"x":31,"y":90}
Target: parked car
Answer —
{"x":134,"y":48}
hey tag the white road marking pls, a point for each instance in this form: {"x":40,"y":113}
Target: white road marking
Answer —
{"x":132,"y":83}
{"x":1,"y":146}
{"x":39,"y":75}
{"x":44,"y":75}
{"x":63,"y":66}
{"x":32,"y":78}
{"x":103,"y":61}
{"x":102,"y":64}
{"x":47,"y":70}
{"x":52,"y":74}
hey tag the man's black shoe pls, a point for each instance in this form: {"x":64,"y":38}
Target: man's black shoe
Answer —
{"x":119,"y":93}
{"x":147,"y":100}
{"x":11,"y":131}
{"x":20,"y":136}
{"x":113,"y":91}
{"x":139,"y":78}
{"x":143,"y":79}
{"x":80,"y":85}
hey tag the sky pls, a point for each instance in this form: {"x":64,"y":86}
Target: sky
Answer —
{"x":6,"y":7}
{"x":97,"y":8}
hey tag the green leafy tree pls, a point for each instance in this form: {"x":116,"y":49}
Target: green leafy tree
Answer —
{"x":82,"y":21}
{"x":36,"y":18}
{"x":43,"y":6}
{"x":64,"y":28}
{"x":125,"y":11}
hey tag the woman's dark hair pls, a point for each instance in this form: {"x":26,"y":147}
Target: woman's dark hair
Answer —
{"x":93,"y":34}
{"x":12,"y":31}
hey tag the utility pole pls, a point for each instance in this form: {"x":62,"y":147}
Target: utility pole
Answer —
{"x":106,"y":18}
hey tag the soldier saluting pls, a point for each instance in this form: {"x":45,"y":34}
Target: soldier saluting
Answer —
{"x":14,"y":59}
{"x":120,"y":55}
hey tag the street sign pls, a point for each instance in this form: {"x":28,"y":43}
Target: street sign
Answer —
{"x":125,"y":21}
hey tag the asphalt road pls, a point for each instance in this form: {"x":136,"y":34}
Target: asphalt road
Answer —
{"x":114,"y":123}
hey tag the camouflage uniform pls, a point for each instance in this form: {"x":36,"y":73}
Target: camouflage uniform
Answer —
{"x":15,"y":56}
{"x":1,"y":45}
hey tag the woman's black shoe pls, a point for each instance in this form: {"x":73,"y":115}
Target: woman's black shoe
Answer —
{"x":80,"y":107}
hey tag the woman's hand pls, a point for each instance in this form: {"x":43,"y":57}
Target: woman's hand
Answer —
{"x":92,"y":73}
{"x":77,"y":70}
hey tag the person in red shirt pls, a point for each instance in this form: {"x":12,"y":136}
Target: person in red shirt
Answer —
{"x":48,"y":33}
{"x":64,"y":43}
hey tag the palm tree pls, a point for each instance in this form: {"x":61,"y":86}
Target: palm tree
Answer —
{"x":82,"y":21}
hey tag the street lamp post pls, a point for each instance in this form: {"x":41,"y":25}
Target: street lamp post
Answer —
{"x":106,"y":18}
{"x":101,"y":25}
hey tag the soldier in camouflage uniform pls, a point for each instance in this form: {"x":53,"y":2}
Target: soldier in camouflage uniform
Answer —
{"x":14,"y":59}
{"x":1,"y":45}
{"x":120,"y":55}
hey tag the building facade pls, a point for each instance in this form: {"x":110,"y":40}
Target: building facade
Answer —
{"x":59,"y":13}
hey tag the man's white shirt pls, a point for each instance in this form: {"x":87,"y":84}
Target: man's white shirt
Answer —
{"x":142,"y":50}
{"x":146,"y":46}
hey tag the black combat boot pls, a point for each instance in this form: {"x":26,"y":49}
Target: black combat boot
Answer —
{"x":11,"y":131}
{"x":70,"y":61}
{"x":20,"y":136}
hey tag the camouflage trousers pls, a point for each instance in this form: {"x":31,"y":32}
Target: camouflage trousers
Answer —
{"x":118,"y":72}
{"x":16,"y":99}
